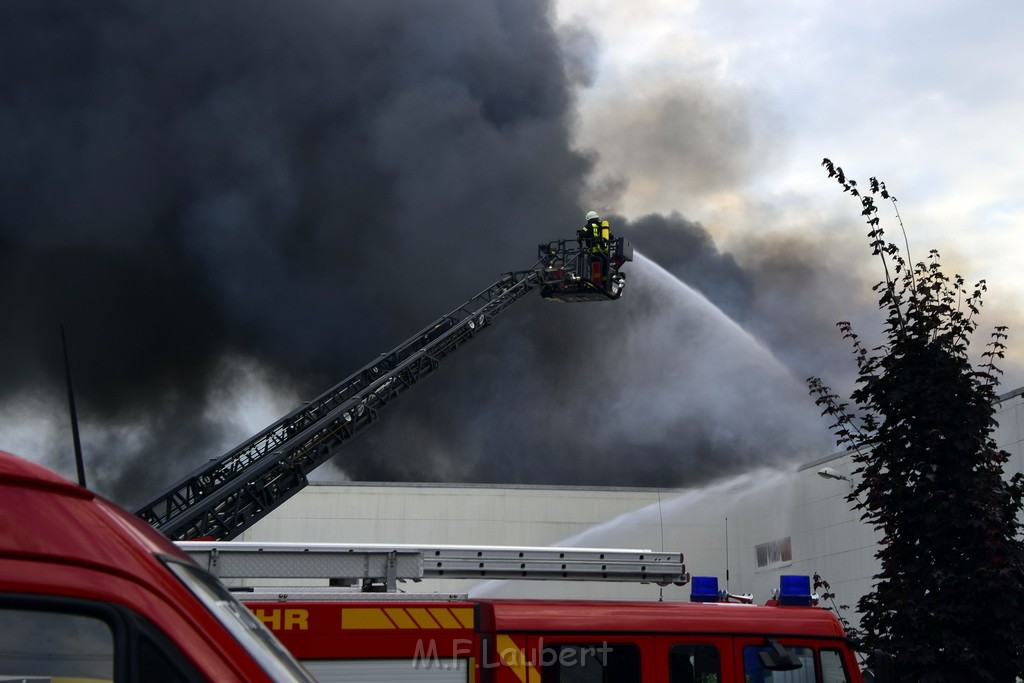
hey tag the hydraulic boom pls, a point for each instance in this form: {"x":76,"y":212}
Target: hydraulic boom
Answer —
{"x":226,"y":496}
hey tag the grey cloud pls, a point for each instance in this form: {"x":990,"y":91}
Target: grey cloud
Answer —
{"x":303,"y":186}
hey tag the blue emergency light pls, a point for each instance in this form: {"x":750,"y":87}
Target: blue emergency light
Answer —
{"x":704,"y":589}
{"x":795,"y":590}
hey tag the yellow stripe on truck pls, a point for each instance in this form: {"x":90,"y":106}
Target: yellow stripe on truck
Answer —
{"x":511,"y":656}
{"x":365,"y":619}
{"x":464,"y":615}
{"x":422,"y":617}
{"x":515,"y":659}
{"x":377,"y":618}
{"x":445,"y":618}
{"x":400,"y":617}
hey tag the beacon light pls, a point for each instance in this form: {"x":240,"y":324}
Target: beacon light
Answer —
{"x":794,"y":590}
{"x":704,"y":589}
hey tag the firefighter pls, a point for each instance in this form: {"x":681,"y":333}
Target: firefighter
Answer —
{"x":594,"y":237}
{"x":590,"y":233}
{"x":598,"y":234}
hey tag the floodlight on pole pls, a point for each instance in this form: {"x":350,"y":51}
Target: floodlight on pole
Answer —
{"x":829,"y":473}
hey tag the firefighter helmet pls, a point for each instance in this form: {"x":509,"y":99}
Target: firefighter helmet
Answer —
{"x":592,"y":215}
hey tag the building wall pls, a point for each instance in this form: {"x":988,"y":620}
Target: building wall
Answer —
{"x":433,"y":514}
{"x":718,"y":527}
{"x":1010,"y":432}
{"x":445,"y":514}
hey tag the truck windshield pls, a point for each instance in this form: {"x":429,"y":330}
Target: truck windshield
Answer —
{"x":240,"y":622}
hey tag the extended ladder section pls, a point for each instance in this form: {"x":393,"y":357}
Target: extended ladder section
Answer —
{"x":381,"y":567}
{"x":225,"y":497}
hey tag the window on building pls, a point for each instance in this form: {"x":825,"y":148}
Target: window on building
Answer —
{"x":774,"y":552}
{"x":693,"y":664}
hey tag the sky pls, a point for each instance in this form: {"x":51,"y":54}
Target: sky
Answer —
{"x":230,"y":207}
{"x":925,"y":96}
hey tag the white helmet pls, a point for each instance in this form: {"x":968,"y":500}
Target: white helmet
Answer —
{"x":592,"y":215}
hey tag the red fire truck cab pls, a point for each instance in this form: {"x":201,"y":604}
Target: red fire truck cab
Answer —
{"x":88,"y":592}
{"x":396,"y":638}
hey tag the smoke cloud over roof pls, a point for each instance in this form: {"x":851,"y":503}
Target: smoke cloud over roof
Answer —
{"x":231,"y":206}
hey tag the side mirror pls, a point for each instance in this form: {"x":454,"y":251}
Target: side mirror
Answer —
{"x":779,"y":658}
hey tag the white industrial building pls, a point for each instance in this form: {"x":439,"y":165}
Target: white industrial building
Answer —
{"x":747,"y":530}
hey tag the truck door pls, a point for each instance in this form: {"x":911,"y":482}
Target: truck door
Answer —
{"x":694,"y":659}
{"x":592,"y":658}
{"x":788,"y":660}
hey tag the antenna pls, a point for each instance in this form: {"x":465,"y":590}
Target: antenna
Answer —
{"x":726,"y":553}
{"x":79,"y":461}
{"x":661,"y":524}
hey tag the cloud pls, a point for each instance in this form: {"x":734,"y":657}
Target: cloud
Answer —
{"x":232,"y":207}
{"x":295,"y":186}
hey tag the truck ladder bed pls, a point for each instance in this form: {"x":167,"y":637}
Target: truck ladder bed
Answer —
{"x":383,"y":565}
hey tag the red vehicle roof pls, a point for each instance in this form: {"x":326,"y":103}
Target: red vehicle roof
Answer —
{"x":58,"y":540}
{"x":54,"y":518}
{"x":661,"y":617}
{"x":14,"y":468}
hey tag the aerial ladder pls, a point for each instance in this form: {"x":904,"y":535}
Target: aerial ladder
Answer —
{"x":223,"y":498}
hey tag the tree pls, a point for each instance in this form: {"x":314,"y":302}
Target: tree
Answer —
{"x":948,"y":600}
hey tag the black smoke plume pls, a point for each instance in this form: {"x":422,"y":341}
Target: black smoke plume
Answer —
{"x":232,"y":201}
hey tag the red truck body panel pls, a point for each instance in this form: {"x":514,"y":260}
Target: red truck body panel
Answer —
{"x":60,"y":541}
{"x":507,"y":641}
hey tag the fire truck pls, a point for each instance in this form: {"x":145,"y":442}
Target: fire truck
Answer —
{"x":88,"y":592}
{"x":354,"y":625}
